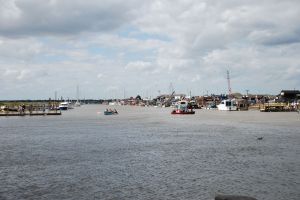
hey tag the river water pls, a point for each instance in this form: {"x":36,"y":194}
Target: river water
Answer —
{"x":146,"y":153}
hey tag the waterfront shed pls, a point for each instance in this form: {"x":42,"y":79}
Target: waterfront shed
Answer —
{"x":288,"y":96}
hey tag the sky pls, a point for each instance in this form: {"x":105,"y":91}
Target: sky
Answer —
{"x":116,"y":48}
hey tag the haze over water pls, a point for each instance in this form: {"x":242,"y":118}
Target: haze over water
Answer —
{"x":147,"y":153}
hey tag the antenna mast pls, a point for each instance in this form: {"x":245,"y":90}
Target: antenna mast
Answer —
{"x":229,"y":87}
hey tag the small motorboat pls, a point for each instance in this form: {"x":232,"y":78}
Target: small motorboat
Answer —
{"x":182,"y":112}
{"x":110,"y":112}
{"x":183,"y":108}
{"x":64,"y":105}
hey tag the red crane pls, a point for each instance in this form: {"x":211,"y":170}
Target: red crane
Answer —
{"x":229,"y":87}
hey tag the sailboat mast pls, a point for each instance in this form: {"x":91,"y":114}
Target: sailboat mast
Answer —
{"x":77,"y":103}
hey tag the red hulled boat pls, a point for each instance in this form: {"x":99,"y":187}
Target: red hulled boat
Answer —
{"x":182,"y":108}
{"x":182,"y":112}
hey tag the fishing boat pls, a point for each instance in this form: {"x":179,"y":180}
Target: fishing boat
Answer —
{"x":227,"y":105}
{"x":110,"y":112}
{"x":183,"y":108}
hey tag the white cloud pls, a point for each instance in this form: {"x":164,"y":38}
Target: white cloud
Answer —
{"x":9,"y":11}
{"x":148,"y":44}
{"x":99,"y":75}
{"x":196,"y":78}
{"x":33,"y":17}
{"x":139,"y":65}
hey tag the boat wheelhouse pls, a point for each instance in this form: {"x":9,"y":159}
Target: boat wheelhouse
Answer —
{"x":227,"y":105}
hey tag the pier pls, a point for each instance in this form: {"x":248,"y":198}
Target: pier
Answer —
{"x":29,"y":110}
{"x":277,"y":107}
{"x":7,"y":114}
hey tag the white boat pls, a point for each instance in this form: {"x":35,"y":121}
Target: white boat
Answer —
{"x":228,"y":104}
{"x":65,"y":105}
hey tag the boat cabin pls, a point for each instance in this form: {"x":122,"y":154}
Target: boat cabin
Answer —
{"x":227,"y":104}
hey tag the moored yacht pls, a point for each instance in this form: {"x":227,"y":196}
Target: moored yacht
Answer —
{"x":65,"y":105}
{"x":227,"y":104}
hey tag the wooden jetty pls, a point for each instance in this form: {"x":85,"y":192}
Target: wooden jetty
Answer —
{"x":277,"y":107}
{"x":30,"y":110}
{"x":7,"y":114}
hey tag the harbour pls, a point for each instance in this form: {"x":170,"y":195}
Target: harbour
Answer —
{"x":286,"y":101}
{"x":149,"y":100}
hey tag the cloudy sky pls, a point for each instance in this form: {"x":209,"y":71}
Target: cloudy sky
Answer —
{"x":145,"y":47}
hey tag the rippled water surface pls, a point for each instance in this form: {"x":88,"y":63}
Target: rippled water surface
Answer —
{"x":146,"y":153}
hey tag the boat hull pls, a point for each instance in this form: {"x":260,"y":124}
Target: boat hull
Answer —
{"x":63,"y":108}
{"x":180,"y":112}
{"x":110,"y":113}
{"x":227,"y":108}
